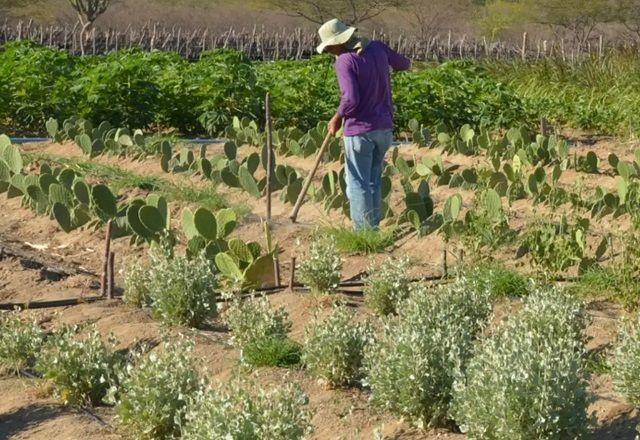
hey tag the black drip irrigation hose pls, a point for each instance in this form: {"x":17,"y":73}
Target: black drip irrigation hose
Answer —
{"x":51,"y":303}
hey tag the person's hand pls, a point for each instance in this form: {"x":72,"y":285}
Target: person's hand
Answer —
{"x":335,"y":124}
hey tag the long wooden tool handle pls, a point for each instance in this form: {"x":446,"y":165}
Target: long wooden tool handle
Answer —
{"x":307,"y":183}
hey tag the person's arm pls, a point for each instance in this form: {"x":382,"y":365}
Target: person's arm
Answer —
{"x":349,"y":93}
{"x":397,"y":61}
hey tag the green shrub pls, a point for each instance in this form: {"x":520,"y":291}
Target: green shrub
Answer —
{"x":242,"y":411}
{"x":625,"y":364}
{"x":20,"y":342}
{"x":253,"y":319}
{"x":81,"y":367}
{"x":387,"y":285}
{"x":151,"y":397}
{"x":272,"y":351}
{"x":499,"y":280}
{"x":182,"y":291}
{"x":528,"y":380}
{"x":334,"y":347}
{"x":320,"y":267}
{"x":412,"y":366}
{"x":136,"y":285}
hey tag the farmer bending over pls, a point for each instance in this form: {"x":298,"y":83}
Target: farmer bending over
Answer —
{"x":366,"y":109}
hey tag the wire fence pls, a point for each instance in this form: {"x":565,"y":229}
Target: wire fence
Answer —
{"x":261,"y":44}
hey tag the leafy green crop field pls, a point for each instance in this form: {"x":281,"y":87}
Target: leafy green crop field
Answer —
{"x":162,"y":91}
{"x":506,"y":255}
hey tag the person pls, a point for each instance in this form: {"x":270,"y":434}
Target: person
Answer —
{"x":365,"y":111}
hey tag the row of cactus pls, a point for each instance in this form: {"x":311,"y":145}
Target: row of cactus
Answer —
{"x":286,"y":142}
{"x":518,"y":141}
{"x":96,"y":140}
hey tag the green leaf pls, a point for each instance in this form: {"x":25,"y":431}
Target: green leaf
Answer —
{"x":151,"y":218}
{"x":104,"y":201}
{"x":228,"y":267}
{"x":247,"y":182}
{"x":205,"y":223}
{"x":62,"y":216}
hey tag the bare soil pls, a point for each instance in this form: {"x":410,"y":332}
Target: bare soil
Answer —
{"x":28,"y":412}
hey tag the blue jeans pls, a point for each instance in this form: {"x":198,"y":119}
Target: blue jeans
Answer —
{"x":364,"y":157}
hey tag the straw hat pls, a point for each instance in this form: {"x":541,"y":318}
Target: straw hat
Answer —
{"x":333,"y":33}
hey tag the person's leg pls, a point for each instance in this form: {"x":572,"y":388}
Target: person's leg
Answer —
{"x":358,"y":159}
{"x":382,"y":140}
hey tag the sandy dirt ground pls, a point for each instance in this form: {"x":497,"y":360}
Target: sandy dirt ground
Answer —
{"x":27,"y":410}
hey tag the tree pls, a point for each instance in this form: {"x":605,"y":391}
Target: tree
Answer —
{"x":430,"y":18}
{"x":628,"y":13}
{"x":352,"y":12}
{"x":88,"y":11}
{"x":577,"y":18}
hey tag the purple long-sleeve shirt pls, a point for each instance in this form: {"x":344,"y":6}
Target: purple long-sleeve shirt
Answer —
{"x":365,"y":86}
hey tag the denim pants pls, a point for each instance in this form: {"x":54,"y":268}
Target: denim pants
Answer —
{"x":364,"y":157}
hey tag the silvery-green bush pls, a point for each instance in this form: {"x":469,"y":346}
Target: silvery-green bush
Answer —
{"x":334,"y":347}
{"x":152,"y":393}
{"x":180,"y":291}
{"x":412,"y":366}
{"x":136,"y":285}
{"x":81,"y":366}
{"x":387,"y":285}
{"x":20,"y":342}
{"x":254,"y":318}
{"x":625,"y":363}
{"x":320,"y":268}
{"x":527,"y":381}
{"x":240,"y":410}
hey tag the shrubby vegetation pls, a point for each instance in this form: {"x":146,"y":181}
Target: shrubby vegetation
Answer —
{"x":152,"y":393}
{"x":387,"y":285}
{"x":20,"y":342}
{"x":260,"y":332}
{"x":179,"y":290}
{"x":411,"y":368}
{"x":242,"y":410}
{"x":320,"y":268}
{"x":334,"y":347}
{"x":528,"y":380}
{"x":80,"y":366}
{"x":625,"y":364}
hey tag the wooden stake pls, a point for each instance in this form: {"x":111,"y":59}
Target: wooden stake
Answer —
{"x":276,"y":269}
{"x":267,"y":105}
{"x":307,"y":183}
{"x":445,"y":269}
{"x":110,"y":278}
{"x":105,"y":264}
{"x":292,"y":276}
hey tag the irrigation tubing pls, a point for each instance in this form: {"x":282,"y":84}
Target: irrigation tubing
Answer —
{"x":198,"y":141}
